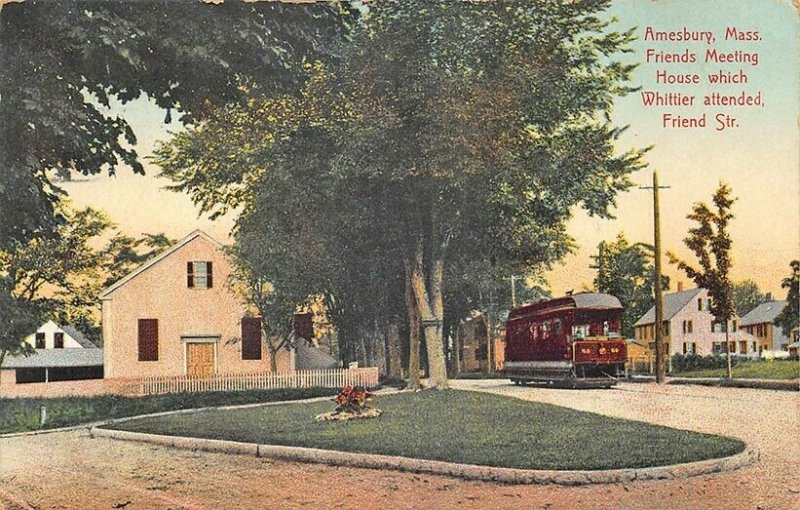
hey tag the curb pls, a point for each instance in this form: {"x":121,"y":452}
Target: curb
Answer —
{"x":758,"y":384}
{"x":463,"y":471}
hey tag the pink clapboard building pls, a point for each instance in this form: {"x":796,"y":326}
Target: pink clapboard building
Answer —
{"x":176,"y":316}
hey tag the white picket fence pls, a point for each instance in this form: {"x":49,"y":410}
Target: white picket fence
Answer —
{"x":367,"y":377}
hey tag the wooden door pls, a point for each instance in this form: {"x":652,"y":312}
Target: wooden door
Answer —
{"x":199,"y":359}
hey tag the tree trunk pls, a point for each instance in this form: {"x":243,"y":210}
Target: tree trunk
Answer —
{"x":394,"y":351}
{"x":413,"y":334}
{"x":273,"y":359}
{"x":457,"y":350}
{"x":430,"y":307}
{"x":729,"y":371}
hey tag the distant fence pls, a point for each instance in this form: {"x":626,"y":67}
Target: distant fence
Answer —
{"x":260,"y":381}
{"x":220,"y":382}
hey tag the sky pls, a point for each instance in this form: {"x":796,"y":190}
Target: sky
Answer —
{"x":759,"y":159}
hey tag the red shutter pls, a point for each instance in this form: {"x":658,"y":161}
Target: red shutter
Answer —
{"x":209,"y":275}
{"x":304,"y":325}
{"x":251,"y":338}
{"x":148,"y":339}
{"x":190,"y":274}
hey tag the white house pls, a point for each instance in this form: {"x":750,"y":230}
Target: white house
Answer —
{"x":688,"y":327}
{"x":54,"y":336}
{"x":61,"y":353}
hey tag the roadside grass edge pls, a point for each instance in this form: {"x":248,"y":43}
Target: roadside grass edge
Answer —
{"x":457,"y":470}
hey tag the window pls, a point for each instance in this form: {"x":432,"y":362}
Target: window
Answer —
{"x":700,"y":305}
{"x":251,"y":338}
{"x":733,"y":323}
{"x":199,"y":275}
{"x":665,"y":328}
{"x":689,"y":348}
{"x":716,"y":347}
{"x":58,"y":340}
{"x":755,"y":347}
{"x":689,"y":326}
{"x":732,"y":347}
{"x":40,"y":340}
{"x":148,"y":339}
{"x":580,"y":331}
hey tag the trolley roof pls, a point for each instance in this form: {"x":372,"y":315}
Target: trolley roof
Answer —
{"x":583,"y":300}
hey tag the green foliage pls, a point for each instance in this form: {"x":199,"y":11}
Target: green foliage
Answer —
{"x":65,"y":61}
{"x":458,"y":426}
{"x":746,"y":296}
{"x":61,"y":274}
{"x":22,"y":414}
{"x":710,"y":241}
{"x":626,"y":271}
{"x":691,"y":362}
{"x":18,"y":319}
{"x":123,"y":254}
{"x":443,"y":134}
{"x":788,"y":318}
{"x":777,"y":369}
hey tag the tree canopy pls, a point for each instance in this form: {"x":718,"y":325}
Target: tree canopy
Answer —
{"x":444,"y":133}
{"x":627,"y":271}
{"x":63,"y":61}
{"x":789,"y":318}
{"x":710,"y":241}
{"x":746,"y":296}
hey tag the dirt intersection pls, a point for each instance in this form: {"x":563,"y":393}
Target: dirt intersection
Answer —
{"x":71,"y":470}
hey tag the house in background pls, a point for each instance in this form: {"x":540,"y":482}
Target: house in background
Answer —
{"x":758,"y":322}
{"x":176,"y":316}
{"x":688,"y":327}
{"x":61,"y":353}
{"x":54,"y":336}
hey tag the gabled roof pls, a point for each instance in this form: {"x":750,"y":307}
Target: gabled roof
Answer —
{"x":765,"y":312}
{"x":673,"y":303}
{"x":158,"y":258}
{"x":51,"y":358}
{"x":77,"y":336}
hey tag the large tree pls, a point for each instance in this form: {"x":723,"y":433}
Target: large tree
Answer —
{"x":789,"y":319}
{"x":61,"y":275}
{"x":710,"y":241}
{"x":64,"y":61}
{"x":626,"y":271}
{"x":445,"y":133}
{"x":18,"y":319}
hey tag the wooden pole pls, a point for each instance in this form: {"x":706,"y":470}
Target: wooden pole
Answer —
{"x":660,"y":372}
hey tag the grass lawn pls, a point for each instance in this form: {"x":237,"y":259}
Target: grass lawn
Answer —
{"x":22,"y":414}
{"x":458,"y":426}
{"x":776,"y":369}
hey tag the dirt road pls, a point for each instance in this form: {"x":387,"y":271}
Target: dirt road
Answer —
{"x":71,"y":470}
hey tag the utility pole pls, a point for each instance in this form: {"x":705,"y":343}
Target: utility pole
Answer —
{"x":659,"y":327}
{"x":599,"y":265}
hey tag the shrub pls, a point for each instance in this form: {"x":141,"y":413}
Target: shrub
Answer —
{"x":690,"y":362}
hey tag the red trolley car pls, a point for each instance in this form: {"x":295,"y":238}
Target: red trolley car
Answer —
{"x":573,"y":341}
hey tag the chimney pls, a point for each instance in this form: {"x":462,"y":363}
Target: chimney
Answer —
{"x":680,"y":286}
{"x":769,"y":296}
